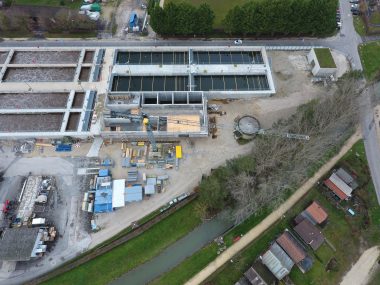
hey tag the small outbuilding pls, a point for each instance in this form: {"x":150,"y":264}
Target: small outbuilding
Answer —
{"x":21,"y":244}
{"x":322,"y":62}
{"x":277,"y":261}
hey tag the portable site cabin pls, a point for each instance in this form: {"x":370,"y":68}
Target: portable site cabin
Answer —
{"x":133,"y":20}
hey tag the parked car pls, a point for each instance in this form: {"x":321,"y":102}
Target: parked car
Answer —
{"x":355,"y":6}
{"x":354,"y":1}
{"x":355,"y":12}
{"x":238,"y":42}
{"x":339,"y":24}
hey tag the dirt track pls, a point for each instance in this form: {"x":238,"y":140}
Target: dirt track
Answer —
{"x":273,"y":217}
{"x":359,"y":274}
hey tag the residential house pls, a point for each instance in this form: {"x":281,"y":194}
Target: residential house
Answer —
{"x":314,"y":213}
{"x":310,"y":234}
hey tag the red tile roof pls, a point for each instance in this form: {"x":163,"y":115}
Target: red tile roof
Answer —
{"x":291,"y":247}
{"x":318,"y":214}
{"x":335,"y":189}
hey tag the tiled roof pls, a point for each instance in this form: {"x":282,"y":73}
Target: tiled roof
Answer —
{"x":291,"y":247}
{"x":318,"y":214}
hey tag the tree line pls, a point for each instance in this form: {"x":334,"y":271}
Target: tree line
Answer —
{"x":181,"y":19}
{"x":257,"y":18}
{"x":282,"y":17}
{"x":277,"y":166}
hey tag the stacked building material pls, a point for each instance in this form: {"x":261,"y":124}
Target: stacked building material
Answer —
{"x":132,"y":174}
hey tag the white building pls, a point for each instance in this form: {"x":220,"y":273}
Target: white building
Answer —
{"x":322,"y":62}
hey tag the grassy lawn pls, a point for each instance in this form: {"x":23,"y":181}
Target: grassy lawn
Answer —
{"x":375,"y":18}
{"x":220,"y":7}
{"x":324,"y":57}
{"x":369,"y":54}
{"x":375,"y":280}
{"x":195,"y":263}
{"x":53,"y":3}
{"x":120,"y":260}
{"x":346,"y":233}
{"x":359,"y":25}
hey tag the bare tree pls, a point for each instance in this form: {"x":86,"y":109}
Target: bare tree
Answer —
{"x":281,"y":165}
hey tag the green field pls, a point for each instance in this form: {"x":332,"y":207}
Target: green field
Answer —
{"x":343,"y":231}
{"x":375,"y":278}
{"x":375,"y":18}
{"x":220,"y":7}
{"x":52,"y":3}
{"x":370,"y":57}
{"x":133,"y":253}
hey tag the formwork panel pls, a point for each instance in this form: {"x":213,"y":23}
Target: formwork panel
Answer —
{"x":33,"y":100}
{"x":45,"y":57}
{"x":39,"y":74}
{"x":30,"y":122}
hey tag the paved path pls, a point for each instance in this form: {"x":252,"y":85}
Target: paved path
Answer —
{"x":273,"y":217}
{"x":360,"y":273}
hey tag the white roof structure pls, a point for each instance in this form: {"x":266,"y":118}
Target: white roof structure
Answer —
{"x":334,"y":178}
{"x":118,"y":193}
{"x":149,"y":189}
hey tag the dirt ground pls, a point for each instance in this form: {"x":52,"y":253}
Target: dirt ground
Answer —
{"x":360,"y":273}
{"x":123,"y":13}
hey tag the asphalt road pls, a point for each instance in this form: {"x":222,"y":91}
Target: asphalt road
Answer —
{"x":371,"y":144}
{"x":346,"y":41}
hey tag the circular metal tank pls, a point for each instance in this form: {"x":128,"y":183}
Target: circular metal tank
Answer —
{"x":248,"y":126}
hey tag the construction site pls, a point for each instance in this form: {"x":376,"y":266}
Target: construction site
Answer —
{"x":138,"y":135}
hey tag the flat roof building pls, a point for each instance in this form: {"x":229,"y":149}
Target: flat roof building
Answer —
{"x":133,"y":193}
{"x":118,"y":193}
{"x":322,"y":62}
{"x":21,"y":244}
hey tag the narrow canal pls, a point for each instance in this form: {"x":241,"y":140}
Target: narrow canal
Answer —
{"x":176,"y":253}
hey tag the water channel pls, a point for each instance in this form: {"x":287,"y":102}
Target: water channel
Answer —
{"x":176,"y":253}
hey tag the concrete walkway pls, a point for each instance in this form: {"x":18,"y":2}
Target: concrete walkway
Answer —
{"x":95,"y":147}
{"x":273,"y":217}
